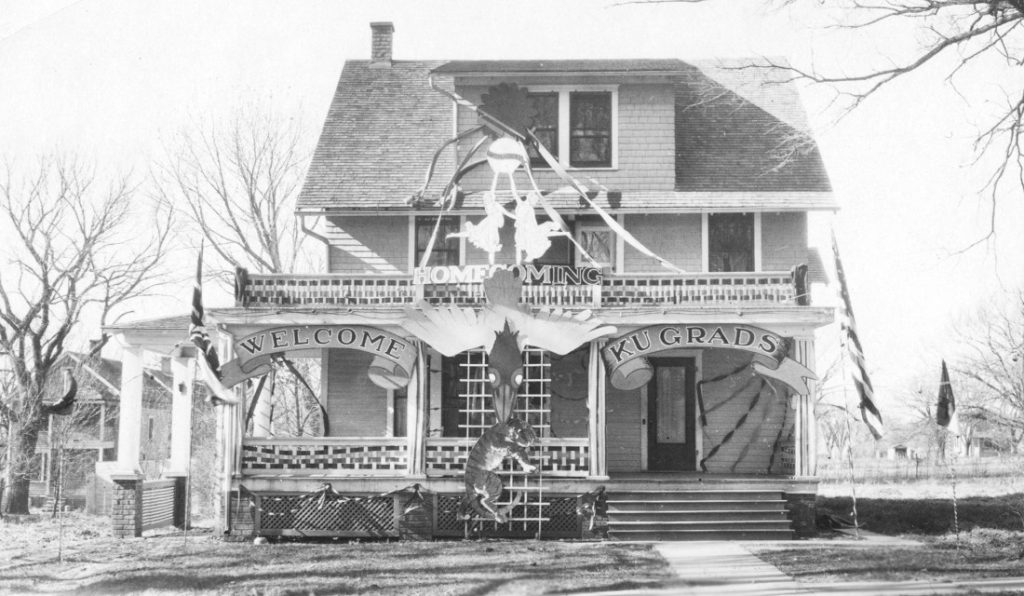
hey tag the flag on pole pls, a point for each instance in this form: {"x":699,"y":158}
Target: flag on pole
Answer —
{"x":209,"y":363}
{"x":868,"y":411}
{"x":945,"y":411}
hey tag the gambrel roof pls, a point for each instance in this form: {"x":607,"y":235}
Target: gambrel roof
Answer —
{"x":741,"y":135}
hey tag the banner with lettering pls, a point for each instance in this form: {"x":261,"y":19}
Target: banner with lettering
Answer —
{"x":628,"y":367}
{"x":391,"y":368}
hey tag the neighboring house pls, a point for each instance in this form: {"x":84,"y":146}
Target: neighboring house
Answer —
{"x":708,"y":166}
{"x":76,"y":442}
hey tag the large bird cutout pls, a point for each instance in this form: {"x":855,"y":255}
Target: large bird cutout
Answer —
{"x":451,"y":330}
{"x":504,"y":328}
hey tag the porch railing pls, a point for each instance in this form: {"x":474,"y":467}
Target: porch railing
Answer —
{"x":762,"y":288}
{"x":299,"y":456}
{"x":558,"y":457}
{"x":386,"y":456}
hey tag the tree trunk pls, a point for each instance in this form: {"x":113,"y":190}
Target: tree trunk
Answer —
{"x":20,"y":452}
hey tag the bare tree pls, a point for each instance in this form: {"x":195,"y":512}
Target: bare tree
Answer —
{"x":236,"y":184}
{"x":70,"y":251}
{"x":992,"y":362}
{"x":956,"y":38}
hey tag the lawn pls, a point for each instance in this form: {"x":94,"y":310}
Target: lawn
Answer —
{"x":990,"y":542}
{"x":95,"y":563}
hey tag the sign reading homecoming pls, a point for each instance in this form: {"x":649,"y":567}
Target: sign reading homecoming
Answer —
{"x":528,"y":274}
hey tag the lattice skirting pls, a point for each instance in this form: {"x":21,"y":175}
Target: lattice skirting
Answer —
{"x":560,"y":521}
{"x":382,"y":517}
{"x":292,"y":515}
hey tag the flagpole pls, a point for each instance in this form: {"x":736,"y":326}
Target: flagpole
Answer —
{"x":952,"y":476}
{"x":849,"y":445}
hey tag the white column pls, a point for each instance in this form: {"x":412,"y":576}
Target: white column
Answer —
{"x":806,"y":435}
{"x":596,"y":407}
{"x":261,"y":415}
{"x":183,"y":373}
{"x":129,"y":421}
{"x":415,"y":414}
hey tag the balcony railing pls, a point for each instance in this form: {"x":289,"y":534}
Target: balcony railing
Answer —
{"x":696,"y":289}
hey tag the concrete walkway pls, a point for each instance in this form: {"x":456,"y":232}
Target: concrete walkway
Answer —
{"x":730,"y":568}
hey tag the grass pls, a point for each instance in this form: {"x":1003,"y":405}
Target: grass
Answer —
{"x":990,"y":542}
{"x":96,"y":563}
{"x":983,"y":554}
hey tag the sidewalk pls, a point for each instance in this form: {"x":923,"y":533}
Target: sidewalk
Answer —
{"x":730,"y":568}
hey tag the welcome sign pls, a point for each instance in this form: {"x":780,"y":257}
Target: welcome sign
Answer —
{"x":393,"y":356}
{"x":626,"y":356}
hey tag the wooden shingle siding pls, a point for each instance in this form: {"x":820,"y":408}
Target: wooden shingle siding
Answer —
{"x":623,"y":430}
{"x":646,"y":144}
{"x":368,"y":244}
{"x":783,"y":240}
{"x":356,"y":407}
{"x":673,"y":237}
{"x":722,"y":420}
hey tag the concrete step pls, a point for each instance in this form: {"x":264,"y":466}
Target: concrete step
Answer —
{"x":712,"y":524}
{"x":706,"y":515}
{"x":671,"y":504}
{"x":693,"y":495}
{"x":701,"y":534}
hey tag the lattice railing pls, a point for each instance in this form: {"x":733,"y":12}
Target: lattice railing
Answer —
{"x":555,"y":457}
{"x":382,"y":456}
{"x":703,"y":288}
{"x":615,"y":290}
{"x":558,"y":519}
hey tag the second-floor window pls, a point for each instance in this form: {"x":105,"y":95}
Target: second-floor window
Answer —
{"x":446,"y":250}
{"x":731,"y":242}
{"x":576,"y":126}
{"x":599,"y":242}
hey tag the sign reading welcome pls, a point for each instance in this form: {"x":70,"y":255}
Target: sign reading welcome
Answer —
{"x":626,"y":356}
{"x":529,"y":274}
{"x":393,"y":356}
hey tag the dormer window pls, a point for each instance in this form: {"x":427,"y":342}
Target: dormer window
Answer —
{"x":578,"y":125}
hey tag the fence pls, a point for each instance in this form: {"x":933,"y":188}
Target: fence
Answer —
{"x":139,"y":505}
{"x":905,"y":469}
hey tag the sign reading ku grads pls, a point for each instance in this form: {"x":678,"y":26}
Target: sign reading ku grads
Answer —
{"x":626,"y":356}
{"x":393,"y":357}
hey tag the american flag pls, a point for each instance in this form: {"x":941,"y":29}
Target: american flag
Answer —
{"x":945,"y":411}
{"x":209,"y":362}
{"x":868,"y":411}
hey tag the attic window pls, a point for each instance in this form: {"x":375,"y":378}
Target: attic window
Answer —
{"x":578,"y":125}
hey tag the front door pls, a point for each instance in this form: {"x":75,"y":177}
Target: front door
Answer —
{"x":671,"y":407}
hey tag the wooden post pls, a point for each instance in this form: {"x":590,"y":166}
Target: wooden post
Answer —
{"x":806,"y":435}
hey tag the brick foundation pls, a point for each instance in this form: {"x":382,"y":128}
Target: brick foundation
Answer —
{"x":126,"y":506}
{"x":242,"y":521}
{"x":802,"y":509}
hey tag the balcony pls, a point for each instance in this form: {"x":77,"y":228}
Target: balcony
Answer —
{"x":614,"y":291}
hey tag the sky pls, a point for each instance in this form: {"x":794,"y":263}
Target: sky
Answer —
{"x":114,"y":80}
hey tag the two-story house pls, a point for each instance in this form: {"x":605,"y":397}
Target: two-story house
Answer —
{"x":666,"y":331}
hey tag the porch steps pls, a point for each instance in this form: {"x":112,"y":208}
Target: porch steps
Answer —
{"x":697,"y":515}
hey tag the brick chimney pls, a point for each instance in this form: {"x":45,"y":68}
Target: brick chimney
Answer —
{"x":381,"y":50}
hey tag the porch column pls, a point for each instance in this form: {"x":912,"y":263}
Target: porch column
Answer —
{"x":806,"y":421}
{"x":129,"y":422}
{"x":416,"y":415}
{"x":596,"y":411}
{"x":183,"y":373}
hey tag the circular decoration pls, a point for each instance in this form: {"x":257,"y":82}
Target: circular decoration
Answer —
{"x":509,"y":105}
{"x":506,"y":155}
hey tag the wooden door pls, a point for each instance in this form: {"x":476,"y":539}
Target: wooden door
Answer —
{"x":671,"y":408}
